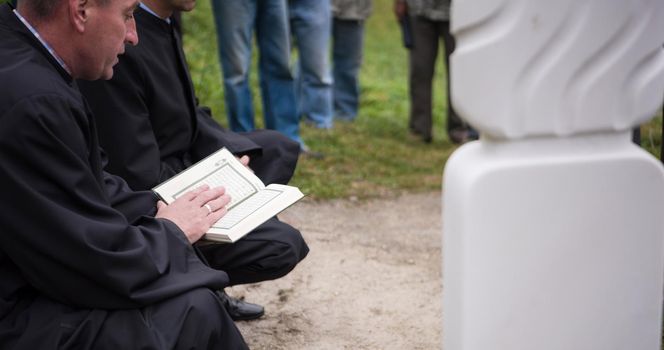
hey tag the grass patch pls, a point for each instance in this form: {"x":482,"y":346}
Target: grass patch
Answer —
{"x":651,"y":136}
{"x":374,"y":155}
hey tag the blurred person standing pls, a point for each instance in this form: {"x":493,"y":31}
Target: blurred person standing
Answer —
{"x":310,"y":26}
{"x":430,"y":22}
{"x":236,"y":21}
{"x":347,"y":51}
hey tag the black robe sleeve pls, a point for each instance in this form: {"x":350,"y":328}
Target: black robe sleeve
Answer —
{"x":61,"y":229}
{"x":126,"y":130}
{"x":132,"y":204}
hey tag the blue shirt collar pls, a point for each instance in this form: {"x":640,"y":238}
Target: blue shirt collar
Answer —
{"x":43,"y":42}
{"x":149,"y":10}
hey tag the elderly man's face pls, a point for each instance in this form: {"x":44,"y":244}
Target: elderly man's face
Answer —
{"x":108,"y":29}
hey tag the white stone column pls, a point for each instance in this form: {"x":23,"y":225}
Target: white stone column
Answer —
{"x":553,"y":223}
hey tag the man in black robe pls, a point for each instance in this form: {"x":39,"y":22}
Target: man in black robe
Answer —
{"x":86,"y":263}
{"x":149,"y":122}
{"x":151,"y":126}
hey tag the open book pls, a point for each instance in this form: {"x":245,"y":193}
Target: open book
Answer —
{"x":252,"y":203}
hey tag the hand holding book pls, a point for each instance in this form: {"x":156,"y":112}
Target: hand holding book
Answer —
{"x":251,"y":202}
{"x":196,"y":211}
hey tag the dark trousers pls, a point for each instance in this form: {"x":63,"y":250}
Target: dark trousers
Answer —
{"x":423,"y":55}
{"x":277,"y":162}
{"x":347,"y":51}
{"x":268,"y":252}
{"x":193,"y":320}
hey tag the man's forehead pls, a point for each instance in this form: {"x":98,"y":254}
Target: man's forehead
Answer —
{"x":122,"y":4}
{"x":132,"y":3}
{"x":125,"y":4}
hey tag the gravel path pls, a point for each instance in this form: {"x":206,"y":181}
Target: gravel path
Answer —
{"x":371,"y":281}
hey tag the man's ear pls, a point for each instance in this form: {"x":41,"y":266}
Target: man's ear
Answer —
{"x":78,"y":13}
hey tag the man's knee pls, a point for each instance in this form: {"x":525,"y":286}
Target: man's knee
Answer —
{"x":202,"y":305}
{"x":279,"y":156}
{"x":278,"y":248}
{"x":295,"y":248}
{"x":290,"y":249}
{"x":276,"y":141}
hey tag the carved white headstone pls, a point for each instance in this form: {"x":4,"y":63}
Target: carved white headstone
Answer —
{"x":553,"y":223}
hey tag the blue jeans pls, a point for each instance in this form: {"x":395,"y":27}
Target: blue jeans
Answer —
{"x":310,"y":24}
{"x":348,"y":38}
{"x":235,"y":21}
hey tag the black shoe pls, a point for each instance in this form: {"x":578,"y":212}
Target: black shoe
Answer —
{"x":240,"y":310}
{"x":460,"y":136}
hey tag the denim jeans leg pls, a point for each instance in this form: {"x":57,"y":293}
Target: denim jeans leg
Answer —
{"x":310,"y":24}
{"x":234,"y":20}
{"x":277,"y":84}
{"x":348,"y":37}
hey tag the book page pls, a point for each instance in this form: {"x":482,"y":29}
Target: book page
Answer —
{"x":246,"y":208}
{"x":237,"y":186}
{"x":252,"y":203}
{"x":219,"y":169}
{"x":253,"y":211}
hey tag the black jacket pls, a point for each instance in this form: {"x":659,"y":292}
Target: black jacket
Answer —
{"x":150,"y":123}
{"x":75,"y":242}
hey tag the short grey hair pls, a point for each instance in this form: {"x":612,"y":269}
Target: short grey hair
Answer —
{"x":43,"y":9}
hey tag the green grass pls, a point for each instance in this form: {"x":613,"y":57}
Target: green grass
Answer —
{"x":370,"y":157}
{"x":651,"y":135}
{"x":373,"y":156}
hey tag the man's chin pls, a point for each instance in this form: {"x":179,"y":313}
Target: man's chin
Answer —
{"x":103,"y":76}
{"x":99,"y":76}
{"x":107,"y":76}
{"x":188,"y":6}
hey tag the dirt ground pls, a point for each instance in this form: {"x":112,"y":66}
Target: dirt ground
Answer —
{"x":371,"y":281}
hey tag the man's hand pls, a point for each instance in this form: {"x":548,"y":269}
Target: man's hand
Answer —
{"x":195,"y":211}
{"x":245,"y":161}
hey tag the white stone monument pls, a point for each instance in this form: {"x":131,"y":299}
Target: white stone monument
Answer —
{"x":553,"y":223}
